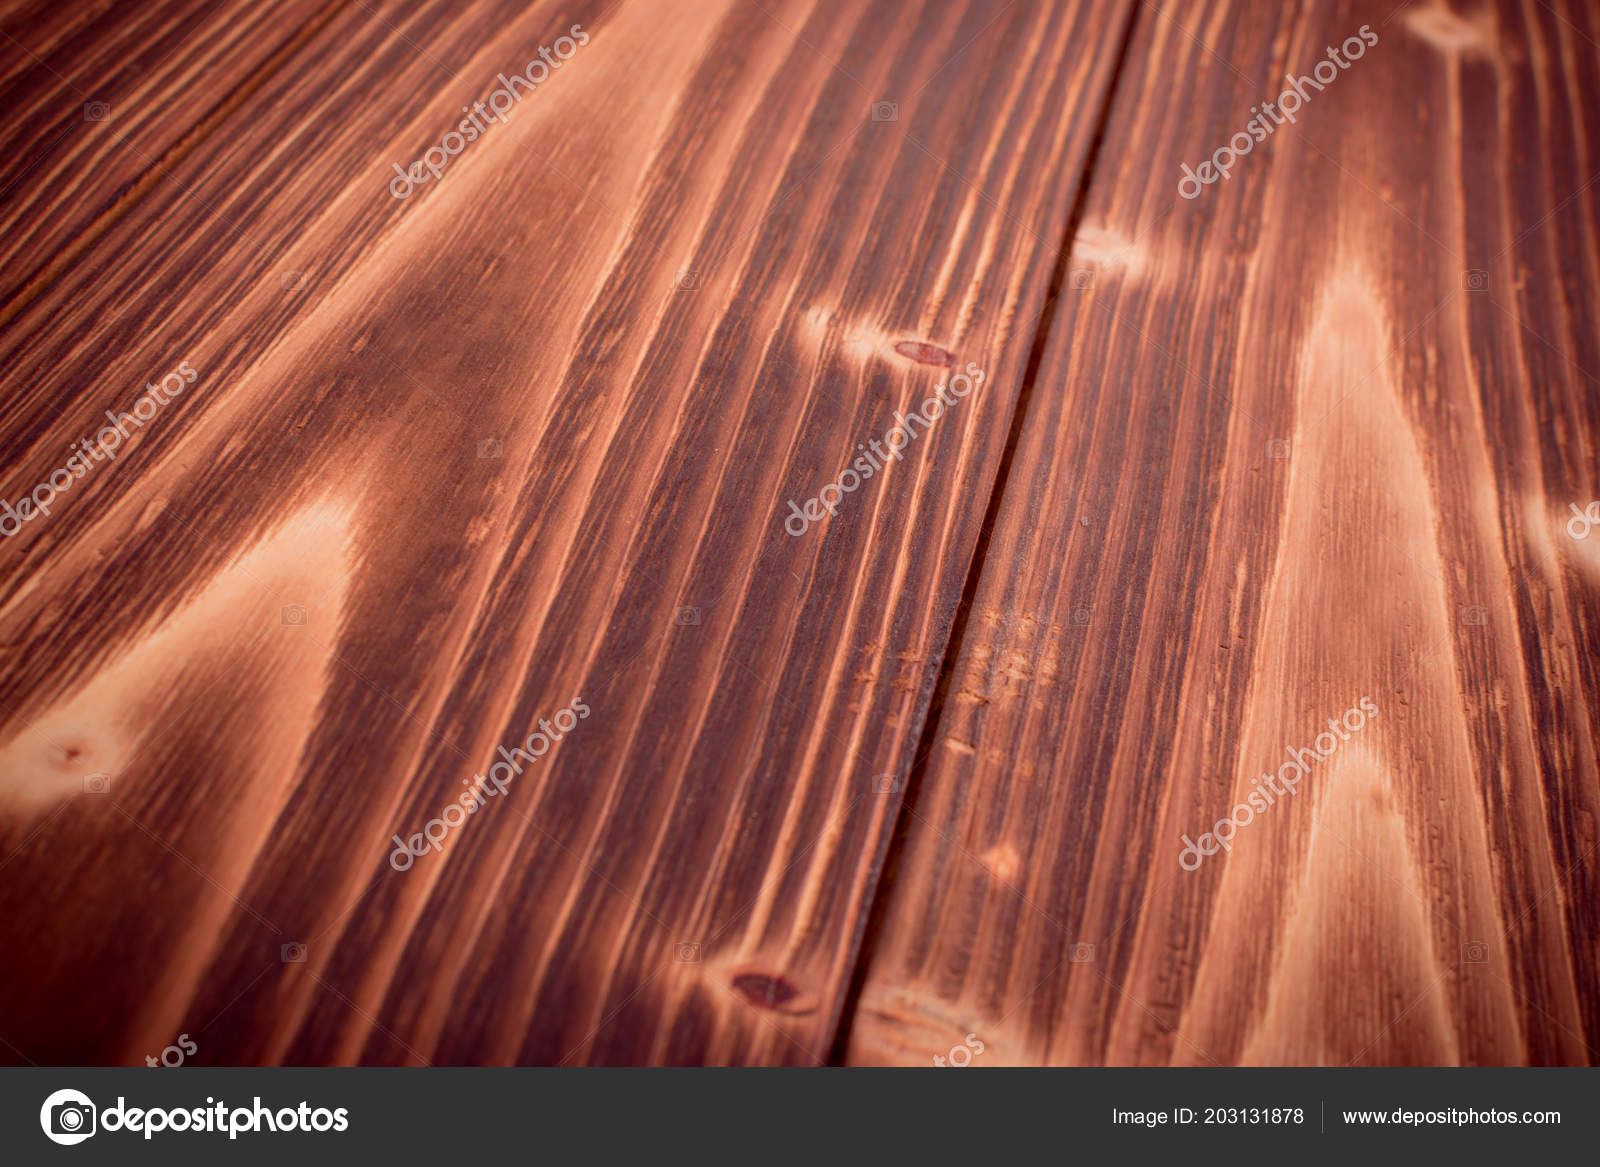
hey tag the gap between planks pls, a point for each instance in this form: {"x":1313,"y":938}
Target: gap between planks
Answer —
{"x":883,"y":885}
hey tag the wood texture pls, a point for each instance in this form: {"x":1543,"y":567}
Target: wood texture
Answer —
{"x":921,"y":778}
{"x":523,"y":439}
{"x":1286,"y":451}
{"x":101,"y":99}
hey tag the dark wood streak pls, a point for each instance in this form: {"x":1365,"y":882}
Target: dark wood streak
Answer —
{"x":159,"y":76}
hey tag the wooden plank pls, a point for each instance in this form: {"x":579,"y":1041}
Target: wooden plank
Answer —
{"x":103,"y":99}
{"x":1287,"y":452}
{"x":522,"y":441}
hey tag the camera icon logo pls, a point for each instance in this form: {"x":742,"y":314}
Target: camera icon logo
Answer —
{"x":1475,"y":279}
{"x":687,"y":952}
{"x":1475,"y":615}
{"x":885,"y":111}
{"x":291,"y":281}
{"x":293,"y":614}
{"x":1082,"y":954}
{"x":97,"y":783}
{"x":68,"y":1117}
{"x":292,"y":953}
{"x":1474,"y":952}
{"x":96,"y":111}
{"x":687,"y":280}
{"x":1080,"y":278}
{"x":1082,"y":616}
{"x":687,"y":616}
{"x":885,"y":784}
{"x":1278,"y":448}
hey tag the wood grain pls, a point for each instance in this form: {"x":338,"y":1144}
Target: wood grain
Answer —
{"x":1285,"y":451}
{"x":102,"y":99}
{"x":521,"y":440}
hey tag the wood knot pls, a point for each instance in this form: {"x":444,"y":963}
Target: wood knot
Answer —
{"x":69,"y":755}
{"x":765,"y":991}
{"x":924,"y":353}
